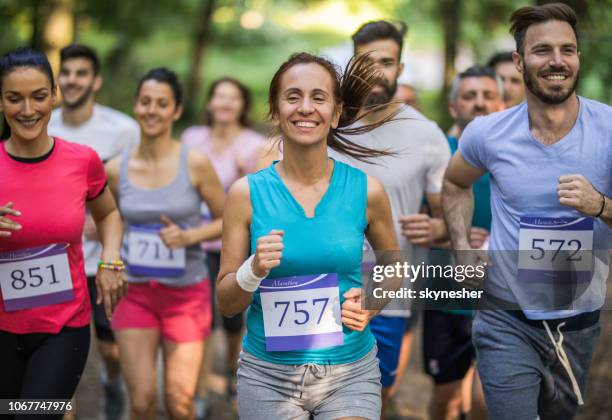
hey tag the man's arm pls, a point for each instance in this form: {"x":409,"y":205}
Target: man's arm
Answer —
{"x":458,"y":199}
{"x":576,"y":191}
{"x":439,"y":231}
{"x":421,"y":229}
{"x":606,"y":216}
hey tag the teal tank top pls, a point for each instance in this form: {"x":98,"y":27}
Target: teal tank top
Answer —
{"x":482,"y":194}
{"x":329,"y":242}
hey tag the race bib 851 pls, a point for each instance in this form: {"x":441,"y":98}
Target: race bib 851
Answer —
{"x":35,"y":277}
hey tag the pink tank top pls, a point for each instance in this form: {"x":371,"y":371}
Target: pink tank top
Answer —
{"x":243,"y":150}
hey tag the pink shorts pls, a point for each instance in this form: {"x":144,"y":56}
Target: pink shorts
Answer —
{"x":181,"y":314}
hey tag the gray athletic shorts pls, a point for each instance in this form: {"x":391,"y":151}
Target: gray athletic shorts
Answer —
{"x":269,"y":391}
{"x":522,"y":375}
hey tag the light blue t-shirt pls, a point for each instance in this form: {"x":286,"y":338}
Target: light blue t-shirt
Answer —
{"x":329,"y":242}
{"x":524,"y":178}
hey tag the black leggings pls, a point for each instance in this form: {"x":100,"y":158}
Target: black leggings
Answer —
{"x":232,"y":324}
{"x":42,"y":365}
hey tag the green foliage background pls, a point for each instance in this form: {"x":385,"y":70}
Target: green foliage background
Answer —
{"x":133,"y":36}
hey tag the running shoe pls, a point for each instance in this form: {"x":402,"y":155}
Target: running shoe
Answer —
{"x":114,"y":401}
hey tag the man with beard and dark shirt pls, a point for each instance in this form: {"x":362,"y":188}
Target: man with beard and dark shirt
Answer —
{"x":413,"y":172}
{"x":514,"y":88}
{"x":550,"y":160}
{"x":448,"y":353}
{"x":81,"y":120}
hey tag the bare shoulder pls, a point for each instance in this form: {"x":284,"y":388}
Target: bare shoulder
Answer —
{"x":198,"y":161}
{"x":238,"y":204}
{"x":239,"y":191}
{"x":376,"y":190}
{"x":113,"y":169}
{"x":113,"y":166}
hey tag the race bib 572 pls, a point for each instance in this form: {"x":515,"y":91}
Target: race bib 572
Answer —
{"x":555,"y":249}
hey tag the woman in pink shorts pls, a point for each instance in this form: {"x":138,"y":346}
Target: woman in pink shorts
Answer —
{"x":235,"y":149}
{"x":160,"y":186}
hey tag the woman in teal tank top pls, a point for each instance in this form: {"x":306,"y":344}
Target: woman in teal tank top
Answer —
{"x":292,"y":250}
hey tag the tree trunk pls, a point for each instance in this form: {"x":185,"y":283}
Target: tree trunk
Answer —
{"x":200,"y":43}
{"x":52,"y":27}
{"x":450,"y":14}
{"x":36,"y":38}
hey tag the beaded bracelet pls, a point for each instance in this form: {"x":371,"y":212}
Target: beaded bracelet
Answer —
{"x":111,"y":265}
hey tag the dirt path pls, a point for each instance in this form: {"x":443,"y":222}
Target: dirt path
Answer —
{"x":414,"y":393}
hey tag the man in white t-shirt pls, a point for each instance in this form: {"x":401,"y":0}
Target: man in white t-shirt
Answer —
{"x":414,"y":172}
{"x":108,"y":132}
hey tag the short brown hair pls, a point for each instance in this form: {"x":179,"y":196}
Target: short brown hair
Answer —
{"x":377,"y":30}
{"x":524,"y":17}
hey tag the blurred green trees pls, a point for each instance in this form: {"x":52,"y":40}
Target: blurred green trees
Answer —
{"x":205,"y":39}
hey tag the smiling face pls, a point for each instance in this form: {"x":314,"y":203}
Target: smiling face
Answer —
{"x":385,"y":54}
{"x":27,"y":100}
{"x":550,"y":62}
{"x":306,"y":106}
{"x":155,"y":108}
{"x":226,"y":104}
{"x":78,"y":81}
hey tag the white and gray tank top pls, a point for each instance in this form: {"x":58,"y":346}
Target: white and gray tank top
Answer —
{"x":142,"y":210}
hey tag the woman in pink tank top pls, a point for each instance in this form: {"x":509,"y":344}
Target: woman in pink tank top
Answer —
{"x":234,"y":149}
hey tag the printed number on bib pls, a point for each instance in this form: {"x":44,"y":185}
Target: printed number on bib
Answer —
{"x":301,"y":312}
{"x":35,"y":277}
{"x":148,"y":256}
{"x":555,"y":249}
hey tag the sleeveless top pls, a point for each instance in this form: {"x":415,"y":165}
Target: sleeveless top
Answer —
{"x":179,"y":201}
{"x":329,"y":242}
{"x":244,"y":147}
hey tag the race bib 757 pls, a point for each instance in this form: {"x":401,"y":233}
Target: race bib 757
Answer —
{"x":301,"y":312}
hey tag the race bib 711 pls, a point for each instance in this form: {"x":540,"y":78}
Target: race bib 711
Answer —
{"x":149,"y":256}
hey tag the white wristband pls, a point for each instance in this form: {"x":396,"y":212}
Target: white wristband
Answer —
{"x":246,"y":278}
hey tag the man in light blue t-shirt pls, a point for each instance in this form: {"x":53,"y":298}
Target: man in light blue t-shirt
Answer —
{"x":550,"y":160}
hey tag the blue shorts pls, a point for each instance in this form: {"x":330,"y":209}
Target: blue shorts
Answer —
{"x":388,"y":332}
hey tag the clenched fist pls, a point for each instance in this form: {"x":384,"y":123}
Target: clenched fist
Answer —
{"x":268,"y":253}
